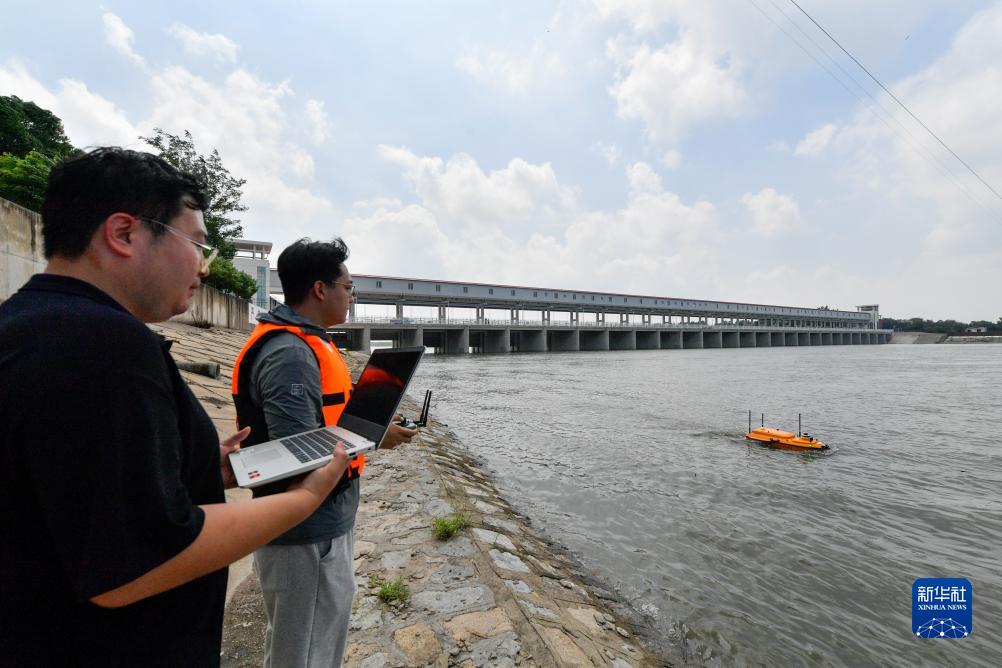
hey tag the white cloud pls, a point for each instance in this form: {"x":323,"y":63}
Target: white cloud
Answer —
{"x":610,"y":152}
{"x":671,"y":159}
{"x":816,"y":141}
{"x":120,"y":37}
{"x":520,"y":196}
{"x":674,"y":87}
{"x":771,"y":212}
{"x":958,"y":96}
{"x":655,"y":243}
{"x":246,"y":118}
{"x":319,"y":123}
{"x":197,"y":43}
{"x":518,"y":74}
{"x":88,"y":118}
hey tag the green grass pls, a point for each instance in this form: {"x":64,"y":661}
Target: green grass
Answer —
{"x":389,"y":591}
{"x":444,"y":528}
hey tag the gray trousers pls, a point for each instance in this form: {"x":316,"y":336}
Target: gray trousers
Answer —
{"x":308,"y":592}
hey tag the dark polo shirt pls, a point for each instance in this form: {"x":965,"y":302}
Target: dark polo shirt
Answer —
{"x":105,"y":455}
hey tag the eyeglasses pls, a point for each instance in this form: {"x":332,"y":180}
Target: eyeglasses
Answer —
{"x":208,"y":252}
{"x":349,"y":286}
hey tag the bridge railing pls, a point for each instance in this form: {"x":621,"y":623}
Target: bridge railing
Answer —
{"x":591,"y":324}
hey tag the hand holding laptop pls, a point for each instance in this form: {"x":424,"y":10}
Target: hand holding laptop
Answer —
{"x":321,"y":481}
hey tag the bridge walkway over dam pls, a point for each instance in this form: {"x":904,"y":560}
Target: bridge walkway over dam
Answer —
{"x":586,"y":320}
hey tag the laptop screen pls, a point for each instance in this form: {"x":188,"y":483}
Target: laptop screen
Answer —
{"x":379,"y":390}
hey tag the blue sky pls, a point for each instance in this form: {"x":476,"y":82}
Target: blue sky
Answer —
{"x":673,"y":147}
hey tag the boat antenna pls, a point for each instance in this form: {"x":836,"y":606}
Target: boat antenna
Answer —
{"x":798,"y":425}
{"x":763,"y":419}
{"x":749,"y":421}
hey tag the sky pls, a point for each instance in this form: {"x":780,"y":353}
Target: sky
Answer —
{"x":719,"y":149}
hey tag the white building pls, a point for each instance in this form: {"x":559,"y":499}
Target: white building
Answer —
{"x":252,"y":259}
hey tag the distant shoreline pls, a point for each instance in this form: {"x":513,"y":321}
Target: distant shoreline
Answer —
{"x":973,"y":339}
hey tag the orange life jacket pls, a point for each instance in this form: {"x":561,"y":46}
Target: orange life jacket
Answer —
{"x":335,"y":385}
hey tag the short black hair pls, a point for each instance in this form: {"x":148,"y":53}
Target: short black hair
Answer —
{"x":83,"y":191}
{"x":305,"y":262}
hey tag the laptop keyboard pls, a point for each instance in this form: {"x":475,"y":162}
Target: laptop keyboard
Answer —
{"x":310,"y":446}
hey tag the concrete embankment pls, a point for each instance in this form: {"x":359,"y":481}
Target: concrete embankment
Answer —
{"x":495,"y":594}
{"x":917,"y":337}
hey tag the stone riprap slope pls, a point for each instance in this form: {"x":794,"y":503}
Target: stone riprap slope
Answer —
{"x":495,"y":594}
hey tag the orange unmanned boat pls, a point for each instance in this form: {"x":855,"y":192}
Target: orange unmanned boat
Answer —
{"x":772,"y":436}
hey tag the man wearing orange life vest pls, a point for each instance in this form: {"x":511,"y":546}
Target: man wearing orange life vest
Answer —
{"x":290,"y":378}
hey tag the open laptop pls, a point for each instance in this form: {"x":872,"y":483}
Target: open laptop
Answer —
{"x":362,"y":425}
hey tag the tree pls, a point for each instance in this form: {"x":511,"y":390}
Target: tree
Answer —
{"x":24,"y":180}
{"x":224,"y":192}
{"x":224,"y":276}
{"x":223,"y":188}
{"x":26,"y":127}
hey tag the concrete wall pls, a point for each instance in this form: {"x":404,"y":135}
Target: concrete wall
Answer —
{"x":20,"y":247}
{"x":212,"y":307}
{"x":21,"y":256}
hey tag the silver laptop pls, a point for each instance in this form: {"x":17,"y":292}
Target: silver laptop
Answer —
{"x":362,"y":425}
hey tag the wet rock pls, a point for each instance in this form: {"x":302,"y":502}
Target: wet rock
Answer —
{"x":494,"y":538}
{"x":564,"y":647}
{"x":378,"y":660}
{"x":484,"y":624}
{"x":498,"y":523}
{"x":518,"y":586}
{"x":394,"y":560}
{"x":450,"y":573}
{"x":508,"y":562}
{"x":419,"y":643}
{"x":537,"y":611}
{"x":453,"y":600}
{"x":457,"y":547}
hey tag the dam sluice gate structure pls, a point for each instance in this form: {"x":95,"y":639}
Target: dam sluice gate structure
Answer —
{"x":595,"y":320}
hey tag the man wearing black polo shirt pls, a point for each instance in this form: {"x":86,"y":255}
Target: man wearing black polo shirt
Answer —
{"x":115,"y":537}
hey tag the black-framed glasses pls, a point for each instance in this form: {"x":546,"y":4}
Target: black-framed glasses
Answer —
{"x":208,"y":252}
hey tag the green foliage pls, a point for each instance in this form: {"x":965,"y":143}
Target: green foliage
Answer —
{"x":26,"y":127}
{"x":937,"y":327}
{"x":444,"y":528}
{"x":224,"y":191}
{"x":389,"y":591}
{"x":227,"y":278}
{"x":24,"y":180}
{"x":223,"y":188}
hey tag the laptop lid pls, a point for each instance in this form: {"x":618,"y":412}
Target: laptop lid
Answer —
{"x":379,"y":391}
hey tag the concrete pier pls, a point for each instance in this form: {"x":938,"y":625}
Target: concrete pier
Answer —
{"x":713,"y":340}
{"x":692,"y":339}
{"x":623,"y":340}
{"x":671,"y":340}
{"x":456,"y":337}
{"x":560,"y":340}
{"x":648,"y":340}
{"x":594,"y":339}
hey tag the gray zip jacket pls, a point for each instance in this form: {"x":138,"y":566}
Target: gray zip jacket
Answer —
{"x":285,"y":383}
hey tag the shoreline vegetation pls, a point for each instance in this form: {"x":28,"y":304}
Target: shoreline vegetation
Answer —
{"x":488,"y":590}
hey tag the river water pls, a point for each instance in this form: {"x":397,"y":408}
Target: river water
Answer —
{"x":735,"y":553}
